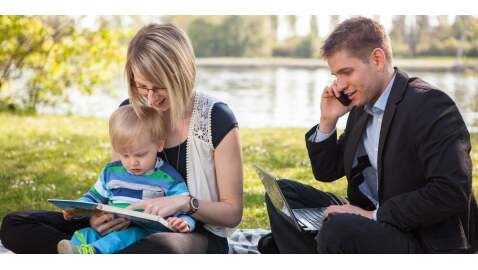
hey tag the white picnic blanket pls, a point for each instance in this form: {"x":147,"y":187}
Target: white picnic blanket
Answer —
{"x":245,"y":241}
{"x":3,"y":250}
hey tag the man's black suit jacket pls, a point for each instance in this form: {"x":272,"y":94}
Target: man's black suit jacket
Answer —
{"x":424,"y":166}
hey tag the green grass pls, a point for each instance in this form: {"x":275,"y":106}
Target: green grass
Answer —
{"x":51,"y":156}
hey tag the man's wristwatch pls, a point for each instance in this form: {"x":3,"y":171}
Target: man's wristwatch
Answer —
{"x":193,"y":205}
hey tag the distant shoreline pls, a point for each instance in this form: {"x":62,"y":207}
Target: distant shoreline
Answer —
{"x":425,"y":64}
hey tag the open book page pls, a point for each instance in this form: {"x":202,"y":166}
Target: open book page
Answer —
{"x":139,"y":218}
{"x":136,"y":217}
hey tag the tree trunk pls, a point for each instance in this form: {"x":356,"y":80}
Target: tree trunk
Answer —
{"x":461,"y":49}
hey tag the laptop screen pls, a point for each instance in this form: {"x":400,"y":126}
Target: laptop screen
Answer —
{"x":274,"y":192}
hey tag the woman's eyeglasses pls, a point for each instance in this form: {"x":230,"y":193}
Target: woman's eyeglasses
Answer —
{"x":143,"y":90}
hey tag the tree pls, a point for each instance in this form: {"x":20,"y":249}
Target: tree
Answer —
{"x":203,"y":37}
{"x":442,"y":30}
{"x":259,"y":38}
{"x":250,"y":36}
{"x":418,"y":35}
{"x":274,"y":22}
{"x":472,"y":36}
{"x":442,"y":19}
{"x":462,"y":22}
{"x":51,"y":54}
{"x":397,"y":32}
{"x":233,"y":38}
{"x":314,"y":36}
{"x":334,"y":21}
{"x":423,"y":34}
{"x":292,"y":22}
{"x":314,"y":26}
{"x":412,"y":36}
{"x":397,"y":35}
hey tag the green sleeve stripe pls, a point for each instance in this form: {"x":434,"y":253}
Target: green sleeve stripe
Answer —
{"x":160,"y":175}
{"x":96,"y":194}
{"x":116,"y":169}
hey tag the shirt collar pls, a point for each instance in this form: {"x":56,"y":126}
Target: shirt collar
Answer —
{"x":381,"y":103}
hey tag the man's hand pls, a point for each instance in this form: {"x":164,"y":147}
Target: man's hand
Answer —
{"x":348,"y":208}
{"x":178,"y":224}
{"x":330,"y":108}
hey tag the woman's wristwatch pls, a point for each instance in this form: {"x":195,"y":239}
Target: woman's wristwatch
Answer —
{"x":193,"y":205}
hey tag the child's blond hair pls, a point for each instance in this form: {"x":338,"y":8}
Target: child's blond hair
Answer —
{"x":126,"y":129}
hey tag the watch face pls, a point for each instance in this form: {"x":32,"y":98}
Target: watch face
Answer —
{"x":195,"y":203}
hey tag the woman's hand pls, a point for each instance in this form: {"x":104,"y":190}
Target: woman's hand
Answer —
{"x":163,"y":206}
{"x":105,"y":223}
{"x":178,"y":224}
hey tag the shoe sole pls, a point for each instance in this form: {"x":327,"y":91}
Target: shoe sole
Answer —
{"x":65,"y":247}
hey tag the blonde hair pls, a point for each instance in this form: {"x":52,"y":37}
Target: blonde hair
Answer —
{"x":163,"y":55}
{"x":126,"y":128}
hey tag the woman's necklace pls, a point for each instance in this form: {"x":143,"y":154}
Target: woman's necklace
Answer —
{"x":177,"y":159}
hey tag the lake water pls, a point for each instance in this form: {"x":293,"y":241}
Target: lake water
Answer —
{"x":277,"y":97}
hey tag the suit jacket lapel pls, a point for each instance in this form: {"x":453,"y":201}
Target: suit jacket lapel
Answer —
{"x":354,"y":140}
{"x":396,"y":95}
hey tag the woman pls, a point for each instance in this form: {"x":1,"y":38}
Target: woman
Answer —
{"x":202,"y":144}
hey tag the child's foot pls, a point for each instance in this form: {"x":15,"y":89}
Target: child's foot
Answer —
{"x":66,"y":247}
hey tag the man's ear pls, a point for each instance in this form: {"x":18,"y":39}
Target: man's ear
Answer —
{"x":378,"y":59}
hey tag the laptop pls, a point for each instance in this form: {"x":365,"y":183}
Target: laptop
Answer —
{"x":305,"y":219}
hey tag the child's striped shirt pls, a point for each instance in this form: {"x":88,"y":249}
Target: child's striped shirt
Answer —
{"x":116,"y":186}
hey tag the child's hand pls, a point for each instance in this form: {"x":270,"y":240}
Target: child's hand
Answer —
{"x":69,"y":213}
{"x":178,"y":224}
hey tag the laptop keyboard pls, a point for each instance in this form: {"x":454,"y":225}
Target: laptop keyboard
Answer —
{"x":313,"y":216}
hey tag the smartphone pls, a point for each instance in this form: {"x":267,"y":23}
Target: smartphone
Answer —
{"x":344,"y":99}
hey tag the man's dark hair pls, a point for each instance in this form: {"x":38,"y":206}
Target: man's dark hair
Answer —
{"x":359,"y":36}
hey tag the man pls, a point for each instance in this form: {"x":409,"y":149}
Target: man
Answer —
{"x":405,"y":153}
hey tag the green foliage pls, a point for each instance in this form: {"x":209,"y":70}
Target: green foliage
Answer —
{"x":229,"y":35}
{"x":244,"y":36}
{"x":50,"y":54}
{"x":256,"y":36}
{"x":56,"y":156}
{"x":420,"y":38}
{"x":298,"y":47}
{"x":203,"y":37}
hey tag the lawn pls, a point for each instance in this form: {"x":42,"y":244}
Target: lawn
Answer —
{"x":51,"y":156}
